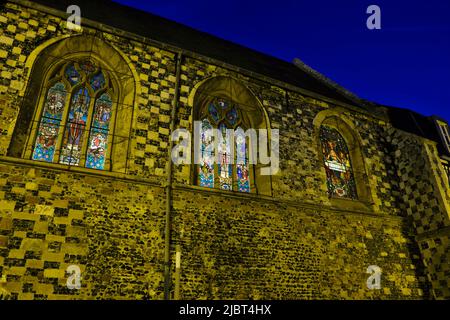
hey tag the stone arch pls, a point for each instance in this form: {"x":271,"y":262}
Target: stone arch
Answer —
{"x":236,"y":91}
{"x":336,"y":119}
{"x":56,"y":51}
{"x":230,"y":88}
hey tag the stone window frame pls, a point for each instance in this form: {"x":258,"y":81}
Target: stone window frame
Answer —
{"x":234,"y":90}
{"x":48,"y":81}
{"x":336,"y":119}
{"x":71,"y":47}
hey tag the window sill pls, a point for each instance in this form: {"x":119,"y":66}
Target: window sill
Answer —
{"x":156,"y":181}
{"x":353,"y":205}
{"x":213,"y":191}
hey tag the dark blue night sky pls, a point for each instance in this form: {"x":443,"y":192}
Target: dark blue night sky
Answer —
{"x":405,"y":64}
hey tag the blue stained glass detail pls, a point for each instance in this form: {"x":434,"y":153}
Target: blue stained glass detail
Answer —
{"x":85,"y":74}
{"x":98,"y":81}
{"x":56,"y":99}
{"x":223,"y":103}
{"x":79,"y":107}
{"x":98,"y":140}
{"x":225,"y":167}
{"x":102,"y":112}
{"x":213,"y":112}
{"x":44,"y":149}
{"x":243,"y":178}
{"x":206,"y":167}
{"x":48,"y":130}
{"x":97,"y":149}
{"x":72,"y":74}
{"x":76,"y":127}
{"x":242,"y":166}
{"x":232,"y":117}
{"x":230,"y":175}
{"x":88,"y":67}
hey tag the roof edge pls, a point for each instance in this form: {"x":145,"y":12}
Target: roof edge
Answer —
{"x":333,"y":85}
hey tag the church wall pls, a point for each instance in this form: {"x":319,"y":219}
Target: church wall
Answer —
{"x":426,"y":200}
{"x":24,"y":29}
{"x":302,"y":176}
{"x":252,"y":248}
{"x":296,"y":244}
{"x":111,"y":228}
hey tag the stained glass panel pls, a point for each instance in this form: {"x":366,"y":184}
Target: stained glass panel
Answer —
{"x":223,"y":103}
{"x":75,"y":129}
{"x":54,"y":105}
{"x":225,"y":167}
{"x":44,"y":149}
{"x":48,"y":130}
{"x":72,"y":74}
{"x":102,"y":112}
{"x":336,"y":157}
{"x":213,"y":112}
{"x":242,"y":167}
{"x":97,"y":149}
{"x":98,"y":81}
{"x":206,"y":168}
{"x":87,"y":66}
{"x":232,"y":117}
{"x":98,"y":140}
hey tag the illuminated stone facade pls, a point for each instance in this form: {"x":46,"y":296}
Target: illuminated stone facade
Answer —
{"x":287,"y":239}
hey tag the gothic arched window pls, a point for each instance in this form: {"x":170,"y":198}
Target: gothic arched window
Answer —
{"x":337,"y":163}
{"x":75,"y":119}
{"x":232,"y":170}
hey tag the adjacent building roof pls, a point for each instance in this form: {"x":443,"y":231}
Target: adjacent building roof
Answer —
{"x":417,"y":124}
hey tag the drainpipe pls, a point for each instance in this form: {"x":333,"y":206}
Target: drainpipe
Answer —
{"x":169,"y":182}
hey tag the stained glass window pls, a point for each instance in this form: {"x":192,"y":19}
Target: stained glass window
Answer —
{"x":83,"y":129}
{"x":337,"y":162}
{"x":232,"y":170}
